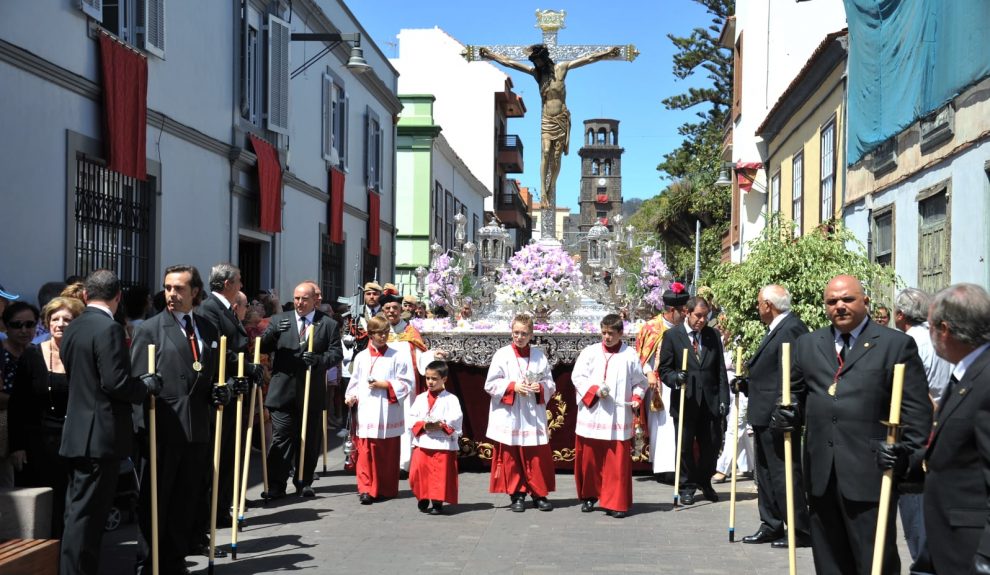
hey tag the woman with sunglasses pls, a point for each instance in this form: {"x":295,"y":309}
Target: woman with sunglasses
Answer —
{"x":20,"y":318}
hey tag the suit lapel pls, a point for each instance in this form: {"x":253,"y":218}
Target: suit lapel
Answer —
{"x":173,"y":331}
{"x":961,"y":391}
{"x":864,"y":344}
{"x":826,"y":347}
{"x":763,"y":344}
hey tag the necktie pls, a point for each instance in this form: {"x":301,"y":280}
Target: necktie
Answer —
{"x":302,"y":328}
{"x":694,"y":341}
{"x":845,"y":346}
{"x":191,"y":336}
{"x":948,"y":392}
{"x":188,"y":326}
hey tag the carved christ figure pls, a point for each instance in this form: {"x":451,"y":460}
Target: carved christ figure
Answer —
{"x":556,"y":119}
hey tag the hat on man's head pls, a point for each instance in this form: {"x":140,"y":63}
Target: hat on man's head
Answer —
{"x":410,"y":299}
{"x":388,"y":297}
{"x":676,"y":295}
{"x":390,"y":289}
{"x":7,"y":295}
{"x":372,"y":286}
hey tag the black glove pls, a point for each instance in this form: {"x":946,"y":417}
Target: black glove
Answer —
{"x":893,"y":456}
{"x":255,"y":372}
{"x":239,"y":385}
{"x":153,"y":382}
{"x":785,"y":418}
{"x":311,"y":359}
{"x":680,"y":378}
{"x":723,"y":410}
{"x":740,"y":385}
{"x":221,"y":394}
{"x":284,"y":324}
{"x":981,"y":564}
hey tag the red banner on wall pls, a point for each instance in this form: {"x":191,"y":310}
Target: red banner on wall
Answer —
{"x":374,"y":223}
{"x":125,"y":107}
{"x":335,"y":215}
{"x":269,"y":186}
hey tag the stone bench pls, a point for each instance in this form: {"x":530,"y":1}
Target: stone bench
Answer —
{"x":25,"y":513}
{"x":34,"y":556}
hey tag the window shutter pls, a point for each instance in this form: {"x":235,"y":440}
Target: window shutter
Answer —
{"x":345,"y":104}
{"x":153,"y":25}
{"x":328,"y":118}
{"x":277,"y":108}
{"x":92,"y":8}
{"x":369,"y":137}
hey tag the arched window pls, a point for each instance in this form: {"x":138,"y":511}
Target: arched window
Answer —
{"x":594,"y":167}
{"x":608,"y":167}
{"x":601,"y":135}
{"x":615,"y":137}
{"x":591,"y":136}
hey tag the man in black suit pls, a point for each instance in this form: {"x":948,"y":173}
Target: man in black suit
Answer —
{"x":98,"y":428}
{"x":842,"y":378}
{"x":707,"y":395}
{"x":186,"y":358}
{"x":218,"y":309}
{"x":957,"y":484}
{"x":288,"y":336}
{"x":762,"y":387}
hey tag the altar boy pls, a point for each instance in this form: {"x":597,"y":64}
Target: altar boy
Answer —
{"x":380,"y":378}
{"x":435,"y":418}
{"x":610,"y":384}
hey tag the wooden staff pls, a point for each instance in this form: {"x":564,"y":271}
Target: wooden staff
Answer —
{"x":237,"y":459}
{"x":221,"y":380}
{"x":153,"y":463}
{"x":887,"y":481}
{"x":261,"y":438}
{"x":305,"y":413}
{"x":249,"y":437}
{"x":785,"y":350}
{"x":680,"y":434}
{"x":735,"y":455}
{"x":325,"y":447}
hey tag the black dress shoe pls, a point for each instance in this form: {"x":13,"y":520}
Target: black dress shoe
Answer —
{"x":588,"y":505}
{"x":307,"y":491}
{"x":423,"y":504}
{"x":709,"y":493}
{"x":518,"y":503}
{"x":542,"y":504}
{"x":763,"y":536}
{"x":799,"y":541}
{"x":617,"y":514}
{"x":437,"y":508}
{"x":272,"y":495}
{"x":365,"y":499}
{"x":687,"y":498}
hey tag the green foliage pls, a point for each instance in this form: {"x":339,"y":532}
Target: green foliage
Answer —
{"x":803,"y":265}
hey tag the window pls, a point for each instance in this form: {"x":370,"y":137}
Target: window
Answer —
{"x":601,"y":136}
{"x":252,"y":69}
{"x":828,"y":171}
{"x":373,"y":153}
{"x":448,"y":238}
{"x":140,"y":23}
{"x":737,"y":77}
{"x":437,"y":209}
{"x":113,"y":223}
{"x":601,"y":214}
{"x":265,"y":71}
{"x":608,"y":167}
{"x":933,"y":239}
{"x":331,"y":267}
{"x":334,"y":121}
{"x":594,"y":167}
{"x":370,"y":262}
{"x":797,"y":191}
{"x":775,"y":194}
{"x":883,"y":237}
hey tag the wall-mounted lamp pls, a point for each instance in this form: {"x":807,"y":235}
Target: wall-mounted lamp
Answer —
{"x":356,"y":63}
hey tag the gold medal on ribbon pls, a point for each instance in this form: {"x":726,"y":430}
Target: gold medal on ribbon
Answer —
{"x":197,"y":366}
{"x":831,"y":389}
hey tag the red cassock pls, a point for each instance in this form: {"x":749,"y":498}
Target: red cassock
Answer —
{"x":433,"y":474}
{"x":522,"y":469}
{"x":378,"y":466}
{"x":603,"y":471}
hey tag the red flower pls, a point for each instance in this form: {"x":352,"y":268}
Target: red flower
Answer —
{"x":677,"y":287}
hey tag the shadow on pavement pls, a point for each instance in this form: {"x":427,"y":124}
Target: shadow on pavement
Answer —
{"x":283,"y":516}
{"x":466,"y":508}
{"x":272,"y":563}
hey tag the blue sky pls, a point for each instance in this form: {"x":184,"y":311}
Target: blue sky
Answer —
{"x":628,"y":92}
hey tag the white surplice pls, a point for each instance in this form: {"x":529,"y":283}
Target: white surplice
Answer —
{"x":662,"y":426}
{"x":446,"y":409}
{"x":524,"y":422}
{"x":623,"y":375}
{"x":377,"y":418}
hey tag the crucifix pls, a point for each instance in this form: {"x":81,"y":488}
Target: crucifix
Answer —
{"x":550,"y":63}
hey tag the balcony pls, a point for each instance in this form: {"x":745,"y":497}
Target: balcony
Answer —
{"x":510,"y":154}
{"x":510,"y":208}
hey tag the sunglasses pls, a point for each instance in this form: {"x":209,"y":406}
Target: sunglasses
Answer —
{"x":22,"y":324}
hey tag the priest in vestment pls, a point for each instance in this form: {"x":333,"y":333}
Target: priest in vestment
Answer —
{"x":660,"y":424}
{"x":610,"y":385}
{"x":380,"y":381}
{"x":435,"y":422}
{"x":520,"y":384}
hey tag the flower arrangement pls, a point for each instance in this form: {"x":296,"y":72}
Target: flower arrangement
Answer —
{"x":539,"y":279}
{"x":445,"y":324}
{"x":654,"y":279}
{"x":442,"y":282}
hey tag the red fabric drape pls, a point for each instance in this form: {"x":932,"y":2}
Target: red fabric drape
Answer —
{"x":746,"y":174}
{"x":269,"y":185}
{"x":125,"y":103}
{"x":374,"y":223}
{"x":602,"y":198}
{"x":335,"y":215}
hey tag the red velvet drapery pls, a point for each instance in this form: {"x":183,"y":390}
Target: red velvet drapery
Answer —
{"x":374,"y":223}
{"x":335,"y":214}
{"x":269,"y":185}
{"x":125,"y":103}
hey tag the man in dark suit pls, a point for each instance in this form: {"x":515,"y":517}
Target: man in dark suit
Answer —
{"x":288,"y":336}
{"x":957,"y":484}
{"x":707,"y":395}
{"x":762,"y":387}
{"x":98,"y":429}
{"x":218,"y":309}
{"x":842,"y":378}
{"x":187,"y":358}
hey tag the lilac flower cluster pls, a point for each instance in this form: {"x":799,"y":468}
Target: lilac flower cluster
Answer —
{"x":441,"y":282}
{"x":654,"y":279}
{"x":541,"y":277}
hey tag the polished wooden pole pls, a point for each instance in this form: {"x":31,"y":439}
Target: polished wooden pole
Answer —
{"x":785,"y":350}
{"x":735,"y":455}
{"x":249,"y":436}
{"x":305,"y":413}
{"x":887,"y":481}
{"x":218,"y":425}
{"x":237,"y":461}
{"x":153,"y":465}
{"x":680,"y":434}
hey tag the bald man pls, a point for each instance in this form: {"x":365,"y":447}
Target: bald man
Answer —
{"x":842,"y":377}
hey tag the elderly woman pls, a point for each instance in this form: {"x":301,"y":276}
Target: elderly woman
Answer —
{"x":38,"y":404}
{"x":21,"y":319}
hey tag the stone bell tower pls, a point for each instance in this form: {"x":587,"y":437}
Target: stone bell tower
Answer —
{"x":601,"y":173}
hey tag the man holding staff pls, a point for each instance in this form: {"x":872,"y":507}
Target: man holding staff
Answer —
{"x":707,"y":395}
{"x":763,"y":389}
{"x":842,"y":378}
{"x":186,"y":349}
{"x":288,"y":336}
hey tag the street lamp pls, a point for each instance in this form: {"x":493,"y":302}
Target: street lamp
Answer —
{"x":355,"y":63}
